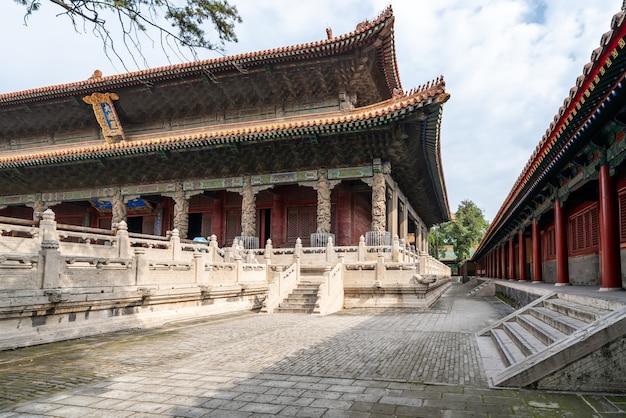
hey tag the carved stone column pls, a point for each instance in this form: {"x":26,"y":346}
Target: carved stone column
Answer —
{"x":181,"y":211}
{"x":118,"y":208}
{"x":379,"y":202}
{"x":323,"y":203}
{"x":38,"y":207}
{"x":248,"y":209}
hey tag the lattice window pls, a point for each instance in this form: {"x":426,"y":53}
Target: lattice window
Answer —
{"x":147,"y":226}
{"x":233,"y":225}
{"x":206,"y":224}
{"x":548,"y":243}
{"x":622,"y":216}
{"x":301,"y":223}
{"x":583,"y":230}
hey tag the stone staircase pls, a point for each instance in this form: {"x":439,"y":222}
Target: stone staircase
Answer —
{"x":303,"y":299}
{"x":546,"y":336}
{"x":481,"y":289}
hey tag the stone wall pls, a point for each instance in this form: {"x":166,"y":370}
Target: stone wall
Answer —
{"x":584,"y":270}
{"x":603,"y":370}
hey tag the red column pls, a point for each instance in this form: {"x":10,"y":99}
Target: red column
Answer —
{"x":502,"y":262}
{"x":217,"y":219}
{"x":560,"y":231}
{"x":610,"y":264}
{"x":511,"y":259}
{"x":277,"y":221}
{"x":521,"y":255}
{"x":344,"y":220}
{"x":536,"y":242}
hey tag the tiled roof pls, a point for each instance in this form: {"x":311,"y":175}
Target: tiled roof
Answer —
{"x":396,"y":108}
{"x":365,"y":32}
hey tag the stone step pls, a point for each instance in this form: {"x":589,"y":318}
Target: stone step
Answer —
{"x":301,"y":292}
{"x":509,"y":351}
{"x":541,"y":330}
{"x":575,"y":310}
{"x":293,"y":310}
{"x":296,"y":305}
{"x":302,"y":298}
{"x":522,"y":338}
{"x":557,"y":320}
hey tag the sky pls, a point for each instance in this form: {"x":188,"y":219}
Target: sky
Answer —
{"x":508,"y":65}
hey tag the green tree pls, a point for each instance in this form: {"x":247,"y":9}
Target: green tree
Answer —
{"x":138,"y":18}
{"x":438,"y":238}
{"x":464,"y":232}
{"x":469,"y":228}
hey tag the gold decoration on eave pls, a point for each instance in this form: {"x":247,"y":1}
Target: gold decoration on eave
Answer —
{"x":104,"y":110}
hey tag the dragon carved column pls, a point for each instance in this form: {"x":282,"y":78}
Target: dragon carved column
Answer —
{"x":118,"y":208}
{"x":248,"y":209}
{"x":181,"y":211}
{"x":323,"y":203}
{"x":379,"y":203}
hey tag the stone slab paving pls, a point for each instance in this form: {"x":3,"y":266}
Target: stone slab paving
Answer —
{"x":363,"y":363}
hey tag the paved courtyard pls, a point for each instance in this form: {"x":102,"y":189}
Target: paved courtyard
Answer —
{"x":351,"y":364}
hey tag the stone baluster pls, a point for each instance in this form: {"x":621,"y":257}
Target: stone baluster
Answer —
{"x":49,"y":252}
{"x":175,"y":240}
{"x":268,"y":252}
{"x":123,"y":241}
{"x":330,"y":251}
{"x":297,"y":255}
{"x":362,"y":250}
{"x":395,"y":249}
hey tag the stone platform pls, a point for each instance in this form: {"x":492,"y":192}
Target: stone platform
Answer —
{"x":356,"y":363}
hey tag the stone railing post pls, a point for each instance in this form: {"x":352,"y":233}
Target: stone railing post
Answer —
{"x":267,"y":258}
{"x":48,"y":227}
{"x":175,"y":240}
{"x":213,"y":248}
{"x":123,"y":241}
{"x":361,"y":251}
{"x":395,"y":249}
{"x":200,"y":273}
{"x":297,"y":255}
{"x":380,"y":268}
{"x":239,"y":261}
{"x":423,"y":263}
{"x":330,"y":250}
{"x":142,"y":273}
{"x":50,"y":254}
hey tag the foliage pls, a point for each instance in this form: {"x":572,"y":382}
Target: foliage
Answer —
{"x":438,"y":238}
{"x":470,"y":226}
{"x":463,"y":233}
{"x":138,"y":18}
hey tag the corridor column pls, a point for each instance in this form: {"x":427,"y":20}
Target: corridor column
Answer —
{"x":521,"y":255}
{"x":393,"y":213}
{"x":502,"y":261}
{"x":537,"y":264}
{"x":560,"y":232}
{"x":610,"y":264}
{"x":511,"y":259}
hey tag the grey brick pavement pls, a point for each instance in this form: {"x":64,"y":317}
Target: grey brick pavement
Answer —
{"x":351,"y":364}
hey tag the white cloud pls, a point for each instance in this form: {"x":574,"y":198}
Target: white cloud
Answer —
{"x":508,"y":65}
